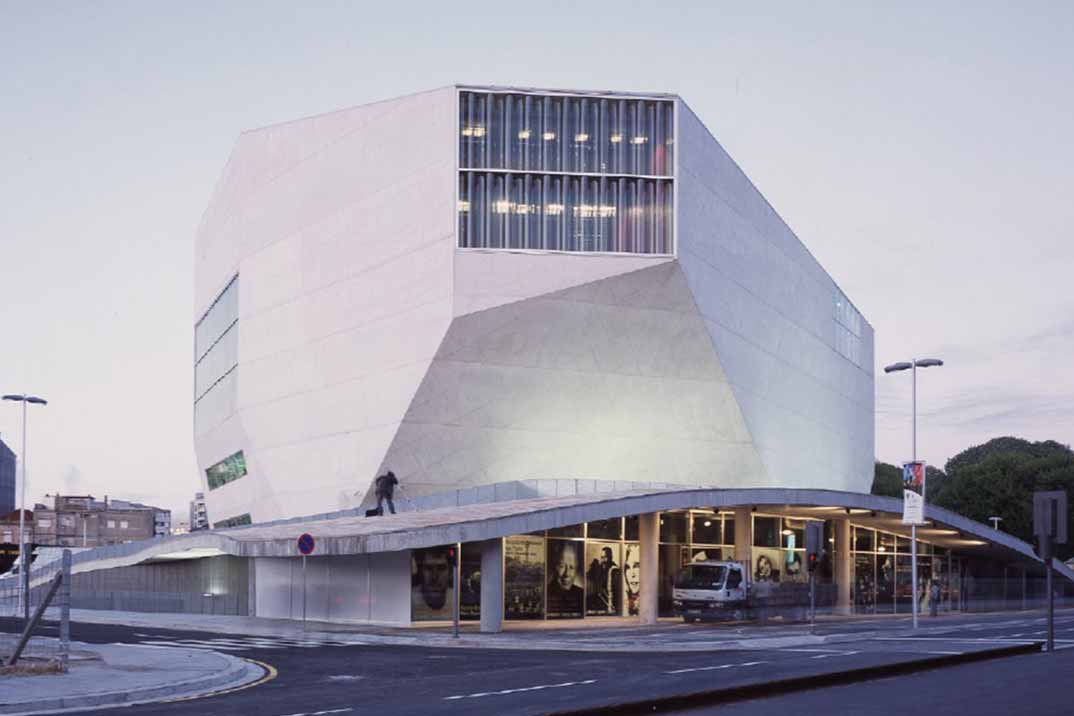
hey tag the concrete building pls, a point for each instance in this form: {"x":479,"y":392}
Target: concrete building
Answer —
{"x":589,"y":348}
{"x":474,"y":286}
{"x":82,"y":521}
{"x":199,"y":516}
{"x":7,"y":479}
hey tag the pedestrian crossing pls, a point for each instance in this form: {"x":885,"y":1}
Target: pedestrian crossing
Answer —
{"x":241,"y":643}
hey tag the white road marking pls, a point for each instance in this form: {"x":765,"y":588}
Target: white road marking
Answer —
{"x":828,"y":656}
{"x":713,"y":668}
{"x":504,"y":692}
{"x":192,"y":644}
{"x":323,"y":713}
{"x":944,"y":652}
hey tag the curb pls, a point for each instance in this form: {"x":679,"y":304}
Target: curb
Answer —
{"x":762,"y":689}
{"x":240,"y":672}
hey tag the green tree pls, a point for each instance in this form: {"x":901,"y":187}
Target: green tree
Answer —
{"x":999,"y":478}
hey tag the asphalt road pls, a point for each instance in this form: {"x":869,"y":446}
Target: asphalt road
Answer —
{"x":331,"y":677}
{"x":1031,"y":685}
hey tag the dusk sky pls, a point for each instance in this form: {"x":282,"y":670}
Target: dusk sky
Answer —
{"x":923,"y":154}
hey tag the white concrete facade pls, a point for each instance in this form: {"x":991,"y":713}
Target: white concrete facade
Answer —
{"x":367,"y":339}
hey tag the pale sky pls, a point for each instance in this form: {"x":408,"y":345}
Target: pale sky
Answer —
{"x":922,"y":151}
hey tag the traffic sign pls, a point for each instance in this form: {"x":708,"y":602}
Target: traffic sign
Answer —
{"x":306,"y":544}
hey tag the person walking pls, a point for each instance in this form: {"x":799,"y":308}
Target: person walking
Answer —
{"x":934,"y":597}
{"x":384,"y":488}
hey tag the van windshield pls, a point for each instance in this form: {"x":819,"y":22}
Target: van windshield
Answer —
{"x":701,"y":576}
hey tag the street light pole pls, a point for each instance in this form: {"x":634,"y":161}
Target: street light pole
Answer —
{"x":24,"y":568}
{"x":913,"y":365}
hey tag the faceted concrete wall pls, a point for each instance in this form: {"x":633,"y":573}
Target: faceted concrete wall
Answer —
{"x":342,"y":230}
{"x":616,"y":379}
{"x":769,"y":308}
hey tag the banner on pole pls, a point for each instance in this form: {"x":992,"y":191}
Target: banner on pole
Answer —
{"x":913,"y":493}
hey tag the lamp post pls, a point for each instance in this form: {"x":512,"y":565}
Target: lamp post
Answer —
{"x":912,"y":366}
{"x":24,"y":570}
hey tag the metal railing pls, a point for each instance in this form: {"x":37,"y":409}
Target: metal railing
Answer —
{"x":26,"y":599}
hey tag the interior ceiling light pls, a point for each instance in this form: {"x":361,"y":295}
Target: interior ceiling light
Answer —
{"x":548,"y":136}
{"x":616,"y":138}
{"x":524,"y":134}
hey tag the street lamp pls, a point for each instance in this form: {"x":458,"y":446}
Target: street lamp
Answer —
{"x":24,"y":570}
{"x":912,"y":366}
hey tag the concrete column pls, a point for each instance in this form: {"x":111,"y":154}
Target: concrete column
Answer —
{"x":844,"y":572}
{"x":744,"y":537}
{"x":492,"y":586}
{"x":649,"y":536}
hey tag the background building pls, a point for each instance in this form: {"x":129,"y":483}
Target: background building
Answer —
{"x":199,"y":517}
{"x":7,"y":479}
{"x":475,"y":286}
{"x":81,"y":521}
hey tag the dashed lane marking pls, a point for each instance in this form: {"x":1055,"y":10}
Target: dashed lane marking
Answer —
{"x":713,"y":668}
{"x":504,"y":692}
{"x":323,"y":713}
{"x":828,"y":656}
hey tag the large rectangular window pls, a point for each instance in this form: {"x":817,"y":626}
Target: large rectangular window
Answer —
{"x":561,"y":173}
{"x":237,"y":521}
{"x":606,"y":135}
{"x":848,"y":329}
{"x":227,"y":470}
{"x":554,"y":213}
{"x":216,"y":356}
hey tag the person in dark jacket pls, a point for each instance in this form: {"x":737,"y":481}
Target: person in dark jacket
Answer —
{"x":384,"y":488}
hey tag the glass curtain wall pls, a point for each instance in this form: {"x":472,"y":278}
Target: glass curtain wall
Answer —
{"x":883,"y":576}
{"x":586,"y":570}
{"x":580,"y":174}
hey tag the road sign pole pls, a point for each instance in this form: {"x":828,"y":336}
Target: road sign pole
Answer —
{"x":456,"y":574}
{"x":812,"y":600}
{"x":1046,"y":548}
{"x":303,"y":592}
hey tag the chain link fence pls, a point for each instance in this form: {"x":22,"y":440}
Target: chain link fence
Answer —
{"x":44,"y":595}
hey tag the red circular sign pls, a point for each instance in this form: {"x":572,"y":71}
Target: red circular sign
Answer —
{"x":306,"y":543}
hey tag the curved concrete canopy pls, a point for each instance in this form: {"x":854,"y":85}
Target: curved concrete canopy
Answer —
{"x":350,"y":534}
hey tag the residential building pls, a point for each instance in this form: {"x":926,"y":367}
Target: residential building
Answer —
{"x":7,"y":479}
{"x":199,"y":516}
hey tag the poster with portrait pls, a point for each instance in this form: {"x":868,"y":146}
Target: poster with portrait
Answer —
{"x":794,"y":569}
{"x":523,"y":571}
{"x":565,"y":588}
{"x":631,"y":579}
{"x":431,"y":585}
{"x":470,"y":583}
{"x":603,"y":579}
{"x":767,"y":565}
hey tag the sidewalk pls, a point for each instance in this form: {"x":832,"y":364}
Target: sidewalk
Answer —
{"x":102,"y":675}
{"x":612,"y":634}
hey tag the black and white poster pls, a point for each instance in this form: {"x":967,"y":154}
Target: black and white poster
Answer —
{"x":470,"y":583}
{"x":631,"y":579}
{"x":430,"y":584}
{"x":523,"y":569}
{"x":565,"y":587}
{"x":603,"y":579}
{"x":767,"y":565}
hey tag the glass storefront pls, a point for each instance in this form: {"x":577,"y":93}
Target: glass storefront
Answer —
{"x":594,"y":569}
{"x":883,"y":574}
{"x":587,"y":570}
